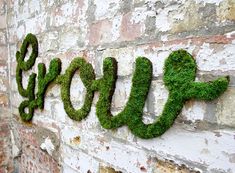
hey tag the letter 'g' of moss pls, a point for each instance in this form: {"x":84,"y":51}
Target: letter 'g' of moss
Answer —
{"x":44,"y":79}
{"x":29,"y":92}
{"x":87,"y":76}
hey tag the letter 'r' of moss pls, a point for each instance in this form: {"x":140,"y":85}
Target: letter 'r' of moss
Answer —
{"x":45,"y":79}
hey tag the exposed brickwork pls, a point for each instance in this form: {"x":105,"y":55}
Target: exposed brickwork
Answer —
{"x":32,"y":158}
{"x":6,"y":160}
{"x":201,"y":139}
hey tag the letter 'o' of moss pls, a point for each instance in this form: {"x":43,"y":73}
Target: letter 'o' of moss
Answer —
{"x":87,"y":76}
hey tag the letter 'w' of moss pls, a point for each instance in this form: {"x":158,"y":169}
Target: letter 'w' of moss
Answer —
{"x":179,"y":76}
{"x":179,"y":79}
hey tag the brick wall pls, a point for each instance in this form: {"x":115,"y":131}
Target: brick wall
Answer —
{"x":202,"y":138}
{"x":6,"y":162}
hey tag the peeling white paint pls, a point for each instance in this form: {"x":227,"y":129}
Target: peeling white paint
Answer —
{"x":209,"y":59}
{"x":162,"y":21}
{"x":3,"y":71}
{"x":181,"y":143}
{"x":230,"y":34}
{"x":105,"y":8}
{"x":20,"y":31}
{"x":80,"y":163}
{"x":2,"y":86}
{"x":164,"y":37}
{"x":194,"y":112}
{"x":139,"y":15}
{"x":116,"y":23}
{"x":48,"y":146}
{"x":67,"y":9}
{"x":179,"y":16}
{"x":216,"y":2}
{"x":178,"y":143}
{"x":15,"y":150}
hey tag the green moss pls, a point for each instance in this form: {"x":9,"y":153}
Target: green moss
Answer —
{"x":30,"y":39}
{"x":179,"y":78}
{"x":45,"y":79}
{"x":31,"y":103}
{"x":106,"y":86}
{"x":87,"y":76}
{"x":29,"y":92}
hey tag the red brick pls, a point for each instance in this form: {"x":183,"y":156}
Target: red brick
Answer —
{"x":129,"y":31}
{"x":100,"y":32}
{"x":4,"y":131}
{"x":3,"y":53}
{"x":3,"y":22}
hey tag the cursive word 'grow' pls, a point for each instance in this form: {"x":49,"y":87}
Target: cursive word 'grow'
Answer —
{"x":179,"y":78}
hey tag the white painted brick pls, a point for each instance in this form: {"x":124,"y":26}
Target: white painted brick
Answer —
{"x":78,"y":160}
{"x":66,"y":168}
{"x":225,"y":111}
{"x":17,"y":99}
{"x":3,"y":87}
{"x":46,"y":122}
{"x":58,"y":111}
{"x":69,"y":40}
{"x":3,"y":71}
{"x":116,"y":23}
{"x":194,"y":110}
{"x":211,"y":148}
{"x":106,"y":8}
{"x":113,"y":152}
{"x":159,"y":95}
{"x":77,"y":92}
{"x":48,"y":42}
{"x":121,"y":93}
{"x":217,"y":2}
{"x":36,"y":25}
{"x":124,"y":57}
{"x":34,"y":6}
{"x":209,"y":59}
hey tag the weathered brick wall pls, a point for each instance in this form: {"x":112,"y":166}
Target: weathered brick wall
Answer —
{"x":202,"y":137}
{"x":6,"y":162}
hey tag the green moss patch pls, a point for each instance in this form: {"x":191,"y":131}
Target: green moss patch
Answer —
{"x":179,"y":78}
{"x":44,"y":79}
{"x":87,"y":76}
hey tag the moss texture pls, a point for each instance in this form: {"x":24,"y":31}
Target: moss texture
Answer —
{"x":140,"y":85}
{"x":87,"y":76}
{"x":179,"y":78}
{"x":179,"y":75}
{"x":29,"y":92}
{"x":43,"y":79}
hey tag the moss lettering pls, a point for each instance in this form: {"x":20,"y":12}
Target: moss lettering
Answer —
{"x":179,"y":78}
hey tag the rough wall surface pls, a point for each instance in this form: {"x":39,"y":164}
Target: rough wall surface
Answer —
{"x":202,"y":138}
{"x":6,"y":161}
